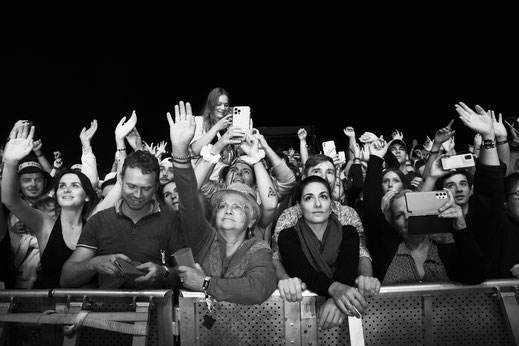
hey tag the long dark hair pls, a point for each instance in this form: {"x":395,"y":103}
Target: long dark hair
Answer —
{"x":87,"y":186}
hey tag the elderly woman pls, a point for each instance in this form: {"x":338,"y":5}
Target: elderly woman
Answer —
{"x":325,"y":254}
{"x":231,"y":265}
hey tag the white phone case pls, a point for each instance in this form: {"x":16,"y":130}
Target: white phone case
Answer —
{"x":329,"y":148}
{"x":241,"y":117}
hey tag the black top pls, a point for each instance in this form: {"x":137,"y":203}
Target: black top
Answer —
{"x":52,"y":259}
{"x":296,"y":264}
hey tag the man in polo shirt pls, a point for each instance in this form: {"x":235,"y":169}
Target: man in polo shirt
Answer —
{"x":136,"y":231}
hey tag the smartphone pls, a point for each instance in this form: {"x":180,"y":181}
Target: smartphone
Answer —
{"x":342,"y":156}
{"x":241,"y":117}
{"x":425,"y":203}
{"x":329,"y":149}
{"x":458,"y":161}
{"x":128,"y":268}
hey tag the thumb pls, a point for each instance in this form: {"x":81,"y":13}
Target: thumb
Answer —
{"x":197,"y":266}
{"x":123,"y":257}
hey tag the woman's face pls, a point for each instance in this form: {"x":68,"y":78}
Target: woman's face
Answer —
{"x":232,"y":213}
{"x":391,"y":182}
{"x":315,"y":203}
{"x":70,"y":191}
{"x":222,"y":107}
{"x":170,"y":195}
{"x":399,"y":214}
{"x":240,"y":173}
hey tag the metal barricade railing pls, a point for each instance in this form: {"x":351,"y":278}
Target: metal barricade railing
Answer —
{"x":111,"y":317}
{"x":421,"y":314}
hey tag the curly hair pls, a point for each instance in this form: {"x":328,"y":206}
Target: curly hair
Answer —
{"x":143,"y":160}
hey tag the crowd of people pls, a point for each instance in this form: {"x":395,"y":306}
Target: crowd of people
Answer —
{"x":259,"y":218}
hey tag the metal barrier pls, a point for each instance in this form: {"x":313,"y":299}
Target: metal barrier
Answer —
{"x":102,"y":317}
{"x":422,"y":314}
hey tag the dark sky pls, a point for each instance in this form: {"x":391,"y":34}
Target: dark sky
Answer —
{"x":377,"y":68}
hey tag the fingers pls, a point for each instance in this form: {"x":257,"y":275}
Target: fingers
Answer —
{"x":123,"y":257}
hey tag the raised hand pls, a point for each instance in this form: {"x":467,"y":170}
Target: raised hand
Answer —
{"x":20,"y":143}
{"x":134,"y":139}
{"x":397,"y":135}
{"x":480,"y":122}
{"x":499,"y":127}
{"x":124,"y":127}
{"x":37,"y":145}
{"x":378,"y":147}
{"x":444,"y":134}
{"x":364,"y":152}
{"x":448,"y":145}
{"x":349,"y":131}
{"x":86,"y":134}
{"x":428,"y":144}
{"x":367,"y":137}
{"x":182,"y":129}
{"x":301,"y":134}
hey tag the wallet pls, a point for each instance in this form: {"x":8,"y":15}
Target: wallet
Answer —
{"x":128,"y":268}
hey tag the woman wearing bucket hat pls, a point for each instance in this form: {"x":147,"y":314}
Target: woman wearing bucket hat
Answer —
{"x":231,"y":265}
{"x":74,"y":193}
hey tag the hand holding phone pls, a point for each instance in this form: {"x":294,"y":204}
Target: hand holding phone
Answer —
{"x":329,"y":149}
{"x":128,"y":268}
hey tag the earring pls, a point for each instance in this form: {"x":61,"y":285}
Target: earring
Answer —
{"x":250,"y":234}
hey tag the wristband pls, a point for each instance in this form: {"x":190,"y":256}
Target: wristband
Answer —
{"x":502,"y":142}
{"x":121,"y":149}
{"x":488,"y":144}
{"x":434,"y":152}
{"x":180,"y":161}
{"x":181,"y":158}
{"x":205,"y":285}
{"x":252,"y":161}
{"x":206,"y":154}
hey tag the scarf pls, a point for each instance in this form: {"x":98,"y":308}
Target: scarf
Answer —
{"x":214,"y":262}
{"x":321,"y":255}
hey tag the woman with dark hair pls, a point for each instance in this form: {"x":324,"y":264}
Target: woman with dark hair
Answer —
{"x":324,"y":254}
{"x":57,"y":237}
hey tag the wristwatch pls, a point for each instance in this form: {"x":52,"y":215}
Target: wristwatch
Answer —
{"x":166,"y":273}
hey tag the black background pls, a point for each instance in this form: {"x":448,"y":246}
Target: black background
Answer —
{"x":377,"y":67}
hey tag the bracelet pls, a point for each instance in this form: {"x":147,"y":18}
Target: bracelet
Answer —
{"x":434,"y":152}
{"x":187,"y":157}
{"x":180,"y":161}
{"x":488,"y":144}
{"x":206,"y":154}
{"x":56,"y":168}
{"x":252,"y":161}
{"x":502,"y":142}
{"x":205,"y":285}
{"x":121,"y":149}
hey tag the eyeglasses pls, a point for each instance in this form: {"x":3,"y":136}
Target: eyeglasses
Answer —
{"x":515,"y":194}
{"x":236,"y":208}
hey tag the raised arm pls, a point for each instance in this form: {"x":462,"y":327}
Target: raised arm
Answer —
{"x":19,"y":145}
{"x":88,"y":159}
{"x":303,"y":147}
{"x":37,"y":145}
{"x":266,"y":190}
{"x":503,"y":148}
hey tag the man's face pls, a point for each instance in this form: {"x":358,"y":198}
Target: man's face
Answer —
{"x":460,"y":188}
{"x":399,"y":151}
{"x":166,"y":174}
{"x":325,"y":170}
{"x":31,"y":185}
{"x":138,"y":188}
